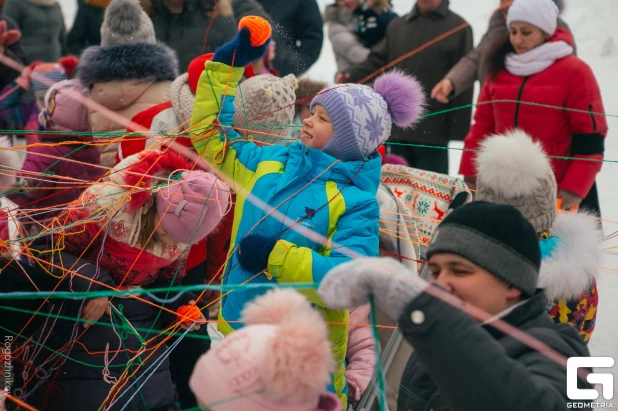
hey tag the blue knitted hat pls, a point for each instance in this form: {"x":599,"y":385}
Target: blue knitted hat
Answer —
{"x":362,"y":116}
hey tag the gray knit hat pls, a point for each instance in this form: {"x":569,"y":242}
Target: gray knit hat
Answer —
{"x":512,"y":169}
{"x":265,"y":100}
{"x":126,"y":22}
{"x":495,"y":237}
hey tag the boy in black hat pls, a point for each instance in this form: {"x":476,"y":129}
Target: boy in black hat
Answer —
{"x":486,"y":256}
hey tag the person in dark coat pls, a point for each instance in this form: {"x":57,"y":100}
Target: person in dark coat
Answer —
{"x":42,"y":26}
{"x":474,"y":65}
{"x":298,"y":32}
{"x":484,"y":259}
{"x":427,"y":20}
{"x":86,"y":30}
{"x":11,"y":47}
{"x":192,"y":27}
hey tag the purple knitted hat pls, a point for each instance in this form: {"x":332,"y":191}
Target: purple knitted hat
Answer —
{"x":362,"y":116}
{"x":190,"y":209}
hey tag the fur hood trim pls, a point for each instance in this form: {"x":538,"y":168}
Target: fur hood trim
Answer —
{"x":131,"y":61}
{"x":331,"y":14}
{"x":575,"y":261}
{"x":512,"y":165}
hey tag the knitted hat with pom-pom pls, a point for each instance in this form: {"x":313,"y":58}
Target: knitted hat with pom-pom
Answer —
{"x":281,"y":361}
{"x":268,"y":101}
{"x":126,"y":22}
{"x":46,"y":74}
{"x":362,"y":116}
{"x":512,"y":169}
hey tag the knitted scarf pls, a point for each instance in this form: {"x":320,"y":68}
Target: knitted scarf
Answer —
{"x":537,"y":59}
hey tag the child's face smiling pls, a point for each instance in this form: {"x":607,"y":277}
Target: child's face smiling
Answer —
{"x":317,"y":128}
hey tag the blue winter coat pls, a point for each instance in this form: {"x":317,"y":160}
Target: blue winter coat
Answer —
{"x":334,"y":199}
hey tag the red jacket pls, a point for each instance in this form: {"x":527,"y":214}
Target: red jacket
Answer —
{"x":568,"y":83}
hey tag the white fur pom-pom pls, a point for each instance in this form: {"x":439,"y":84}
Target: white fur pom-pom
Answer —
{"x":512,"y":164}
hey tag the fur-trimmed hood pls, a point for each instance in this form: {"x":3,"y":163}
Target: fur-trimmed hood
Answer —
{"x":567,"y":272}
{"x":131,"y":61}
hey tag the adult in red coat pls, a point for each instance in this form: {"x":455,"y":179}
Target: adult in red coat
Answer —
{"x":538,"y":85}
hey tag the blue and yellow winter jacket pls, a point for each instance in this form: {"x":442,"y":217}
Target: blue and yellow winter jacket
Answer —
{"x":335,"y":199}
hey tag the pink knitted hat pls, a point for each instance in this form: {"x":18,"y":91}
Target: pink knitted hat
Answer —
{"x":191,"y":208}
{"x":281,"y":361}
{"x":63,"y":112}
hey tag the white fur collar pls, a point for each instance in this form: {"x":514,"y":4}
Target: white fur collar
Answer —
{"x":576,"y":259}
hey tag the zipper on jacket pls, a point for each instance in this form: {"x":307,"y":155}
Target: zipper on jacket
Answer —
{"x":594,"y":121}
{"x":521,"y":91}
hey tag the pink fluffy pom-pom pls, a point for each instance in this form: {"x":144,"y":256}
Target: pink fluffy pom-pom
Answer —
{"x":404,"y":96}
{"x":274,"y":307}
{"x":299,"y":362}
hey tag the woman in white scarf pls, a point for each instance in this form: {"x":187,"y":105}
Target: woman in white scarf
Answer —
{"x":538,"y":85}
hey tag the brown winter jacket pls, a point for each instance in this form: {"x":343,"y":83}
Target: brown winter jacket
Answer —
{"x":474,"y":65}
{"x":429,"y":66}
{"x":125,"y":84}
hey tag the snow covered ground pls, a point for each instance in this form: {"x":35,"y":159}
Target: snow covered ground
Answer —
{"x":594,"y":25}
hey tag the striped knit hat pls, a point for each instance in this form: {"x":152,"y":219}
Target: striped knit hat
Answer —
{"x":47,"y":74}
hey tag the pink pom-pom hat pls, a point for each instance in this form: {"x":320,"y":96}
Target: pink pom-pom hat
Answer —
{"x":281,"y":361}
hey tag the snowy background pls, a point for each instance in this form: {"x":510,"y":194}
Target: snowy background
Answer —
{"x":594,"y":25}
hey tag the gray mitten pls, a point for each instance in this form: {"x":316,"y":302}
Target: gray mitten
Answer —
{"x":393,"y":286}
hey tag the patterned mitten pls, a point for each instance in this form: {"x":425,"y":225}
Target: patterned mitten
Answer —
{"x":254,"y":251}
{"x":393,"y":286}
{"x":244,"y":48}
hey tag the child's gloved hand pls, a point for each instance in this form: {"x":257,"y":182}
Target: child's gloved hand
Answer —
{"x":248,"y":45}
{"x":253,"y":252}
{"x":393,"y":286}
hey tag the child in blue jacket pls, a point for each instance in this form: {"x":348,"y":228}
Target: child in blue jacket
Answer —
{"x":327,"y":182}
